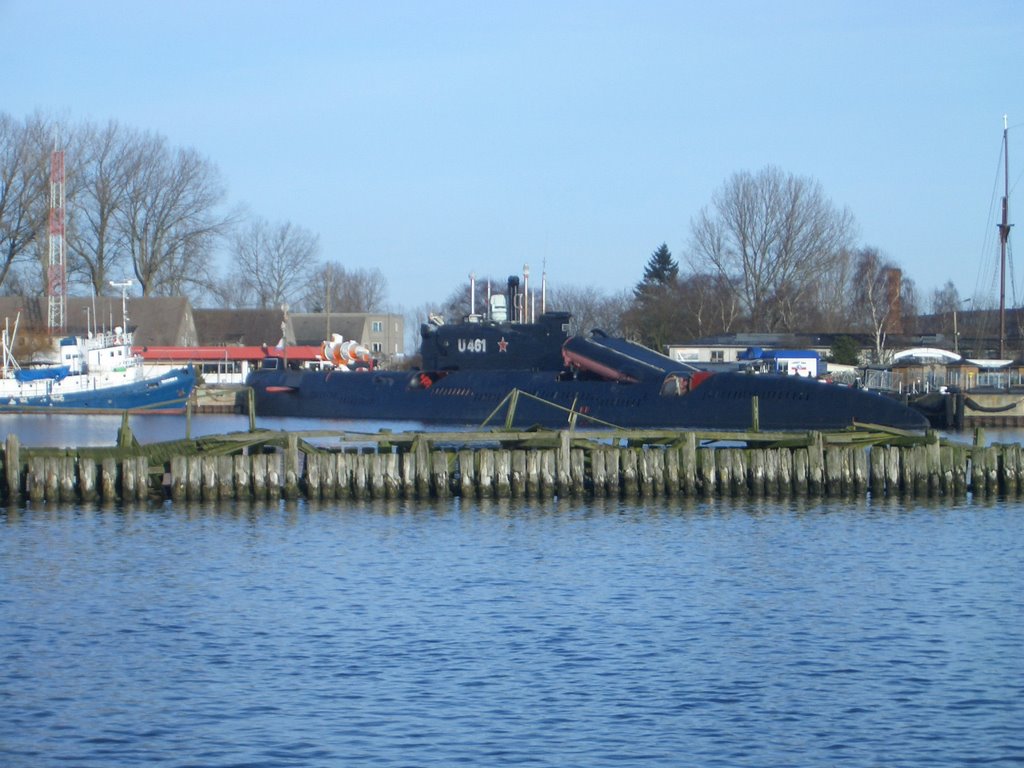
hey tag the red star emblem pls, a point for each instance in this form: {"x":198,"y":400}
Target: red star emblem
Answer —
{"x":503,"y":345}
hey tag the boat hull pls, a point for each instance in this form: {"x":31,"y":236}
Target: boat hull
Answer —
{"x":165,"y":393}
{"x":549,"y":399}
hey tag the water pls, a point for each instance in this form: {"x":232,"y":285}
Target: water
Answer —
{"x":496,"y":633}
{"x":62,"y":430}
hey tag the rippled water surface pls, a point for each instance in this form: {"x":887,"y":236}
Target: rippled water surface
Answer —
{"x":549,"y":634}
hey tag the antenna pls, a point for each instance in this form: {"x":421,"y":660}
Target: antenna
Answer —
{"x":56,"y":274}
{"x":124,"y":284}
{"x":526,"y":294}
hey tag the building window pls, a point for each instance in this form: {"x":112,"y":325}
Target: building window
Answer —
{"x":377,"y":326}
{"x":376,"y":346}
{"x":717,"y":355}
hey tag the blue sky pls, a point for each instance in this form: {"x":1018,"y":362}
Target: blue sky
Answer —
{"x":431,"y":139}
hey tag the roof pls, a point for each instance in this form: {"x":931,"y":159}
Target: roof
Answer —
{"x":311,"y":327}
{"x":211,"y":354}
{"x":156,"y":319}
{"x":773,"y":340}
{"x":239,"y":327}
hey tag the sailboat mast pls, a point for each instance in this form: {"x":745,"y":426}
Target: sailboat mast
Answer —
{"x":1004,"y":235}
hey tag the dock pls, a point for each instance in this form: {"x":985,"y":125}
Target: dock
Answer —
{"x":269,"y":465}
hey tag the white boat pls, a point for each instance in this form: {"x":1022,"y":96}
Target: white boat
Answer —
{"x":98,"y":372}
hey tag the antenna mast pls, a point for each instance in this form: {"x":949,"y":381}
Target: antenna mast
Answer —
{"x":56,"y":274}
{"x":1004,"y":235}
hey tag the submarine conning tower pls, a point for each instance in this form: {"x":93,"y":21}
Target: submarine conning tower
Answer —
{"x":504,"y":338}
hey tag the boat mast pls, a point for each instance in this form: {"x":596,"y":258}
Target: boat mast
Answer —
{"x":124,"y":284}
{"x":56,"y":271}
{"x":1004,"y":235}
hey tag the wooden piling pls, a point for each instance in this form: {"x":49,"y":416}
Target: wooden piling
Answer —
{"x":390,"y":475}
{"x":484,"y":467}
{"x":801,"y":464}
{"x":343,"y":472}
{"x":241,"y":466}
{"x":409,"y":475}
{"x":959,"y":465}
{"x":503,"y":474}
{"x":67,"y":479}
{"x":671,"y":471}
{"x":36,"y":483}
{"x":360,"y":481}
{"x":467,"y":474}
{"x":108,"y":480}
{"x":630,"y":474}
{"x":274,"y":476}
{"x":756,"y":472}
{"x":311,"y":476}
{"x":259,"y":476}
{"x":978,"y":471}
{"x":562,"y":464}
{"x":548,"y":487}
{"x":12,"y":468}
{"x":225,"y":477}
{"x":51,"y":480}
{"x":178,"y":478}
{"x":816,"y":465}
{"x":577,"y":472}
{"x":532,"y":466}
{"x":688,"y":465}
{"x":612,"y":470}
{"x":738,"y":487}
{"x":127,"y":480}
{"x":424,"y":466}
{"x":292,"y":468}
{"x":87,"y":474}
{"x":440,"y":475}
{"x":785,"y":472}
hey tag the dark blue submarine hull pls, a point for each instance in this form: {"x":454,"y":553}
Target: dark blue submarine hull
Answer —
{"x":721,"y":401}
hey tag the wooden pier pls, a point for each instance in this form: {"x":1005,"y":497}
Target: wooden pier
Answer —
{"x":261,"y":464}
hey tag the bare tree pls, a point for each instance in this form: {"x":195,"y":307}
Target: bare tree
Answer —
{"x":910,"y":310}
{"x":170,"y":218}
{"x":590,"y":308}
{"x":945,"y":303}
{"x":877,"y":289}
{"x":458,"y":303}
{"x":333,"y":288}
{"x":271,"y":262}
{"x":711,"y":306}
{"x":361,"y":290}
{"x":771,"y":237}
{"x":24,"y":202}
{"x":832,"y":297}
{"x":97,"y":246}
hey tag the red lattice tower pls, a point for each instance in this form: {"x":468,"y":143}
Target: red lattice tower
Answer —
{"x":56,"y":273}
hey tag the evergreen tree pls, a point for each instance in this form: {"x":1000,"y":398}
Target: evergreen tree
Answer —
{"x":655,"y":314}
{"x":661,"y":268}
{"x":845,"y":351}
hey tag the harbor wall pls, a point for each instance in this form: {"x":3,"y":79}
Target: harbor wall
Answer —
{"x":993,"y":410}
{"x":564,"y":466}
